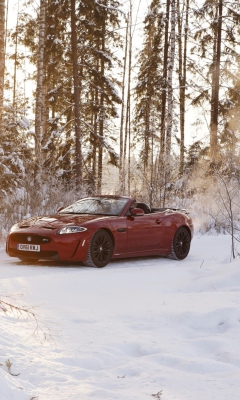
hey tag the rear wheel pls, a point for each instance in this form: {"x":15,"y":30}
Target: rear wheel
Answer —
{"x":100,"y":249}
{"x":180,"y":244}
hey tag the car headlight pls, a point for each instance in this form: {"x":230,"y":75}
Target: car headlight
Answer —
{"x":71,"y":229}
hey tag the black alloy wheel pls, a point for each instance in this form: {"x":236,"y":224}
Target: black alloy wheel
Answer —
{"x":100,"y":249}
{"x":181,"y":244}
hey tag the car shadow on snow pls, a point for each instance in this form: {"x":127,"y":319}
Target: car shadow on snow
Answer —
{"x":119,"y":263}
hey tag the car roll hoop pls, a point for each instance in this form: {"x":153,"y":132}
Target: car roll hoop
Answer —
{"x":144,"y":207}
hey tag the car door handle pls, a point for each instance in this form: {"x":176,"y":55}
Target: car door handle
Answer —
{"x":121,"y":229}
{"x":158,"y":221}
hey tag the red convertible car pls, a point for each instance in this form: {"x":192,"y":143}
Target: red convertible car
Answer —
{"x":97,"y":229}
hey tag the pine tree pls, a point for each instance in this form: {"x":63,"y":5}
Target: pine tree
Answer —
{"x":15,"y":154}
{"x":99,"y":22}
{"x":148,"y":91}
{"x":76,"y":96}
{"x":40,"y":93}
{"x":216,"y":39}
{"x":216,"y":81}
{"x":182,"y":38}
{"x":95,"y":38}
{"x":164,"y":82}
{"x":230,"y":135}
{"x":170,"y":94}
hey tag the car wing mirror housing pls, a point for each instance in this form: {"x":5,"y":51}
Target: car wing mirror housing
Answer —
{"x":135,"y":212}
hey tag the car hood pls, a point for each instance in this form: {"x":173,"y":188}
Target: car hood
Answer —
{"x":56,"y":221}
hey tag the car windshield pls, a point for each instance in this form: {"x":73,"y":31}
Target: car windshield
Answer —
{"x":96,"y":205}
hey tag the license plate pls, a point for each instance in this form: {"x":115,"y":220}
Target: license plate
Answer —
{"x":28,"y":247}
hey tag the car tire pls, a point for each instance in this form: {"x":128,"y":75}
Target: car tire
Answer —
{"x":100,"y":249}
{"x":180,"y":244}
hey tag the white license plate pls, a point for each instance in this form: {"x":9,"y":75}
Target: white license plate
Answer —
{"x":28,"y":247}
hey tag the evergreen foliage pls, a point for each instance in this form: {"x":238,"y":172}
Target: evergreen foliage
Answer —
{"x":149,"y":83}
{"x":162,"y":145}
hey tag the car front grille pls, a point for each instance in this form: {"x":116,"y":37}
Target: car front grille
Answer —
{"x":29,"y":239}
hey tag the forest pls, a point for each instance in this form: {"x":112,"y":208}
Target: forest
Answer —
{"x":127,"y":97}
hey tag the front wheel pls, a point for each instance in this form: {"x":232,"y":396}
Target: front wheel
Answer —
{"x":180,"y":244}
{"x":100,"y":249}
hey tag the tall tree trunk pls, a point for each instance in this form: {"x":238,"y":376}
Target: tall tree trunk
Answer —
{"x":95,"y":142}
{"x":182,"y":76}
{"x":214,"y":55}
{"x":121,"y":149}
{"x":129,"y":100}
{"x":76,"y":97}
{"x":93,"y":135}
{"x":125,"y":139}
{"x":216,"y":80}
{"x":45,"y":108}
{"x":96,"y":124}
{"x":15,"y":60}
{"x":6,"y":23}
{"x":39,"y":94}
{"x":164,"y":83}
{"x":170,"y":96}
{"x":127,"y":119}
{"x":102,"y":114}
{"x":152,"y":162}
{"x":2,"y":59}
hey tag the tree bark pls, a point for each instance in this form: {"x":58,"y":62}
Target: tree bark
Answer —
{"x":170,"y":96}
{"x":15,"y":60}
{"x":182,"y":48}
{"x":6,"y":21}
{"x":164,"y":83}
{"x":121,"y":149}
{"x":76,"y":97}
{"x":129,"y":100}
{"x":125,"y":139}
{"x":2,"y":59}
{"x":216,"y":85}
{"x":39,"y":93}
{"x":102,"y":114}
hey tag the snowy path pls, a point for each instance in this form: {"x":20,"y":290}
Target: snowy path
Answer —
{"x":128,"y":331}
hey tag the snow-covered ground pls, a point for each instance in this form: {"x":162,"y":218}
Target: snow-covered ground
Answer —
{"x":136,"y":329}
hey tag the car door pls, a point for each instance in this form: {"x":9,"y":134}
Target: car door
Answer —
{"x":144,"y":233}
{"x":119,"y":229}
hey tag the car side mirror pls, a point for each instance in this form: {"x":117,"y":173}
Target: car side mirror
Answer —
{"x":135,"y":212}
